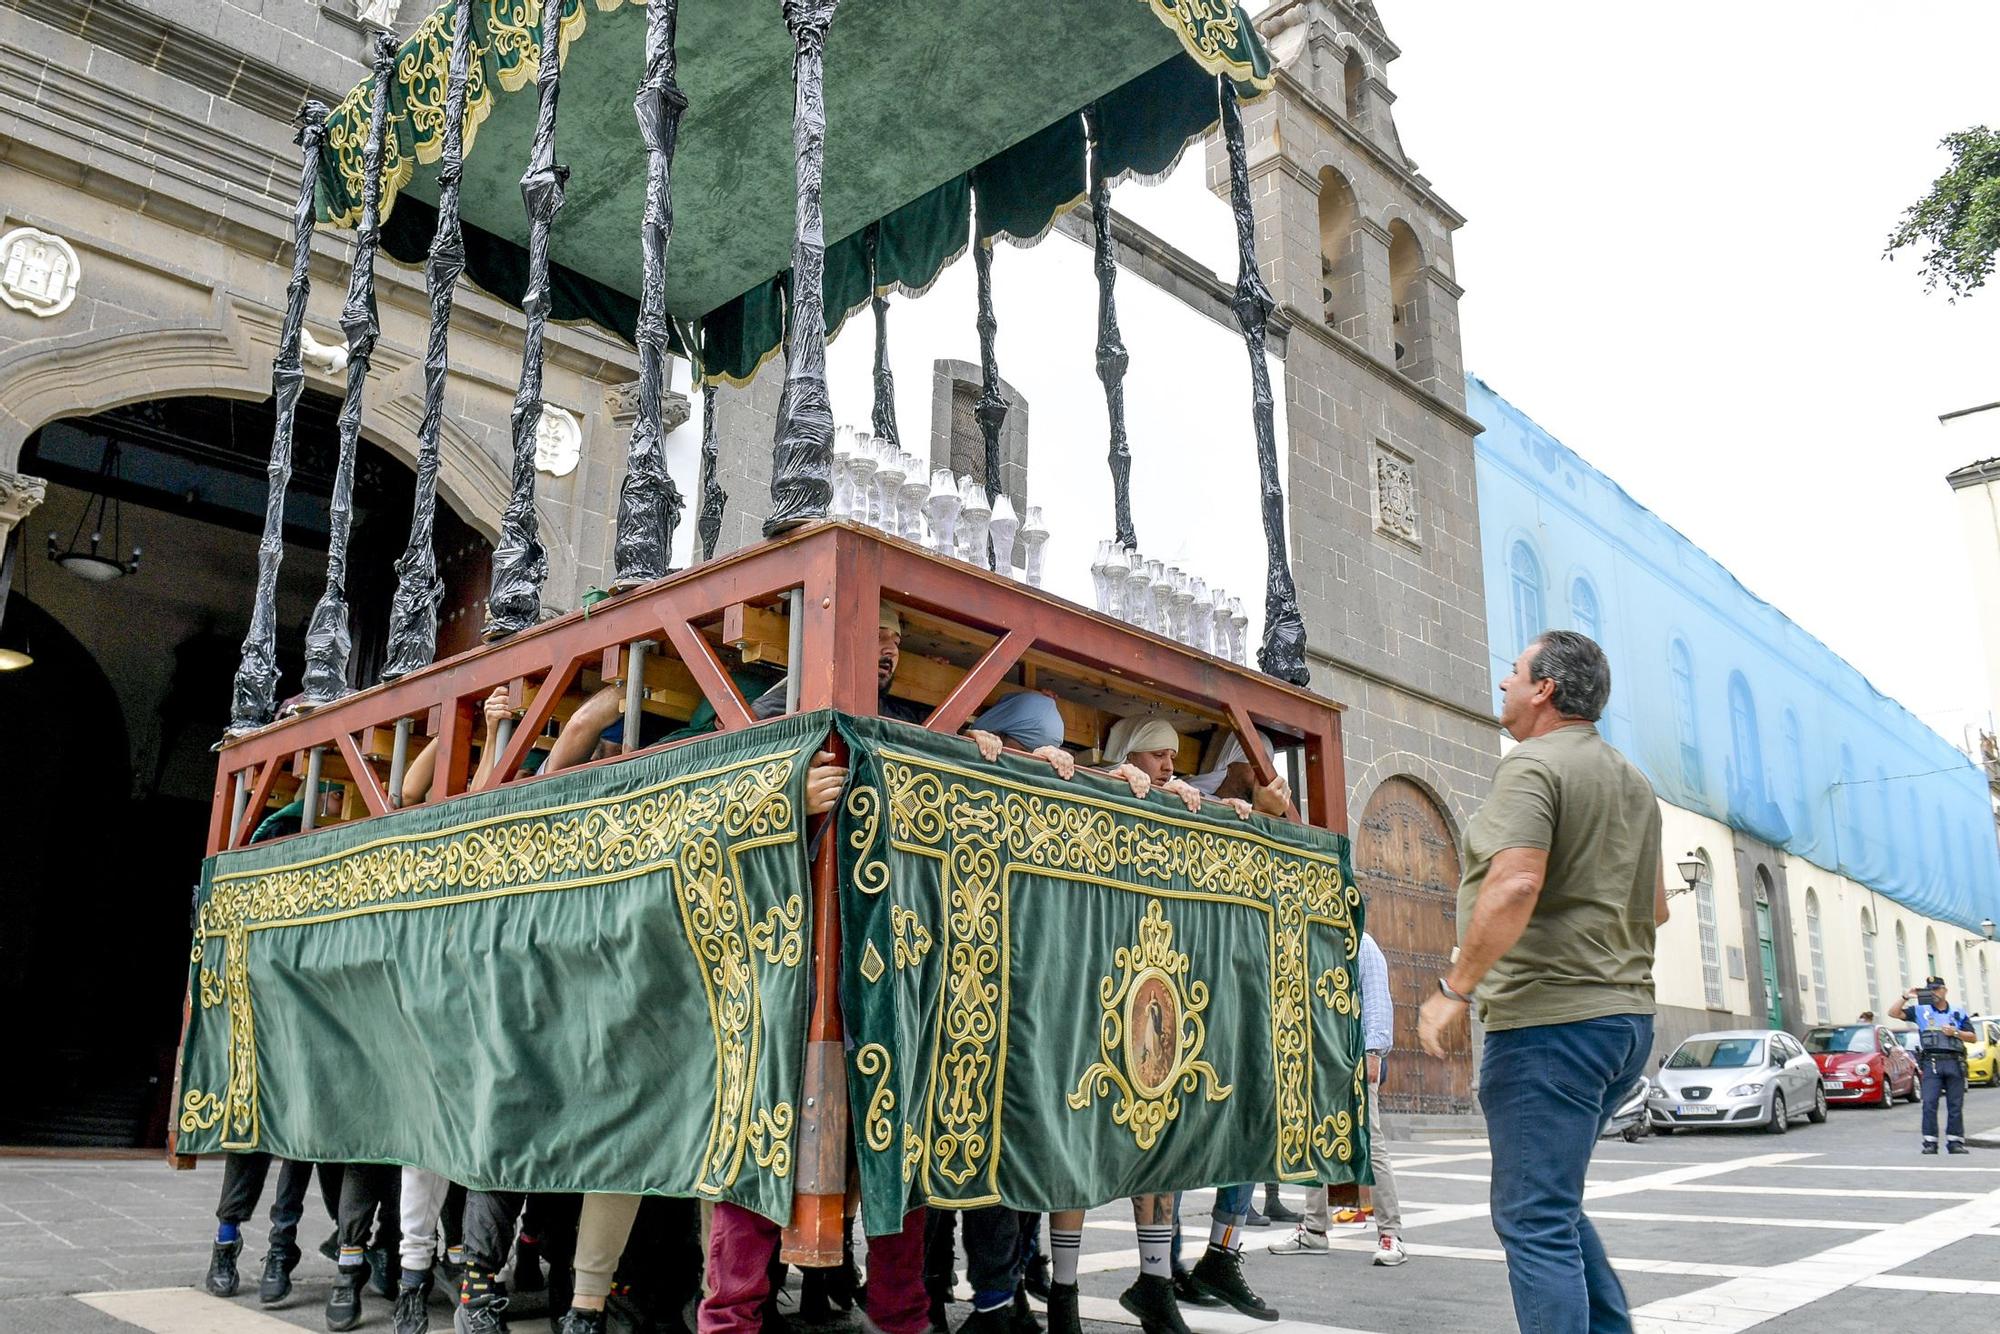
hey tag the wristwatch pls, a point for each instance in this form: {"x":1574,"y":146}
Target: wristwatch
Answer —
{"x":1460,"y":997}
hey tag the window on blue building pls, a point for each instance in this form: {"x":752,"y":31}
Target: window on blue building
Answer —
{"x":1680,"y":665}
{"x":1795,"y":762}
{"x":1583,"y":614}
{"x":1524,"y":571}
{"x":1746,"y":749}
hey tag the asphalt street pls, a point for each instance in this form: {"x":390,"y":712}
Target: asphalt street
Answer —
{"x":1829,"y":1228}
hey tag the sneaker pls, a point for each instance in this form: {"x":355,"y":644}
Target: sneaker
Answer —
{"x":1063,"y":1318}
{"x":1958,"y":1148}
{"x":1304,"y":1241}
{"x":1151,"y":1298}
{"x":1220,"y":1274}
{"x":276,"y":1284}
{"x":1279,"y":1212}
{"x":482,"y":1302}
{"x":1930,"y":1148}
{"x":413,"y":1307}
{"x":222,"y":1279}
{"x":528,"y":1266}
{"x":1389,"y":1251}
{"x":343,"y":1302}
{"x":1186,"y":1293}
{"x":580,"y":1322}
{"x":1352,"y":1217}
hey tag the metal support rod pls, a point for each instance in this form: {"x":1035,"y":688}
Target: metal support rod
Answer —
{"x":713,"y":498}
{"x":253,"y":697}
{"x":802,"y":457}
{"x":309,"y":811}
{"x":502,"y":736}
{"x":329,"y":642}
{"x":649,"y":504}
{"x":413,"y":612}
{"x":399,"y":759}
{"x":1112,"y":358}
{"x":883,"y":417}
{"x":239,"y":801}
{"x":795,"y":645}
{"x":991,"y":407}
{"x":635,"y":690}
{"x":1283,"y":653}
{"x":520,"y":563}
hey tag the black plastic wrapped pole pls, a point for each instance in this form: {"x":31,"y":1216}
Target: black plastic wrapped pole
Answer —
{"x":254,"y":696}
{"x":649,"y":504}
{"x":1111,"y":355}
{"x":802,"y":456}
{"x":413,"y":613}
{"x":519,"y":562}
{"x":883,"y":418}
{"x":990,"y":409}
{"x":329,"y":642}
{"x":1283,"y":653}
{"x":713,"y":497}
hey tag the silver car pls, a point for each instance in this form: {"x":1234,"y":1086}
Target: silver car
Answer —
{"x":1746,"y":1077}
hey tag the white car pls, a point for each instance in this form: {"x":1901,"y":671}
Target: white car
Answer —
{"x":1743,"y":1078}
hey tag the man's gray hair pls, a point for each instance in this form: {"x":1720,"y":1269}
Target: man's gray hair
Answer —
{"x":1579,"y":669}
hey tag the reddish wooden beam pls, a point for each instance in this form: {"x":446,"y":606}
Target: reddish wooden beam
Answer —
{"x":260,"y":792}
{"x":372,"y":795}
{"x":530,"y":726}
{"x":454,"y":743}
{"x":699,"y":657}
{"x":818,"y":1228}
{"x":1253,"y":748}
{"x":958,"y":707}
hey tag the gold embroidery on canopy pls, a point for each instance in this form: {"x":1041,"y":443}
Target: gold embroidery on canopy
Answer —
{"x":199,"y":1111}
{"x":778,"y":935}
{"x":1150,"y":1035}
{"x":769,"y":1138}
{"x":913,"y":939}
{"x":872,"y":966}
{"x":870,"y":1061}
{"x":864,"y":803}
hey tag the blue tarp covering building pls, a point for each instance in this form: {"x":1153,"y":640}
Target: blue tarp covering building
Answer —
{"x":1730,"y":708}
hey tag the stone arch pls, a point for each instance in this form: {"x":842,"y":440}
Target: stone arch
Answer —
{"x":1343,"y":284}
{"x":1406,"y":264}
{"x":1415,"y":769}
{"x":225,"y":356}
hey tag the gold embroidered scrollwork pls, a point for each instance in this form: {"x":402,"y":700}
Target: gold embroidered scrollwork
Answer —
{"x":1150,"y":1035}
{"x":199,"y":1111}
{"x":780,"y":935}
{"x":1335,"y":990}
{"x":913,"y":1150}
{"x":913,"y":940}
{"x":869,"y":1062}
{"x":769,"y":1138}
{"x":864,"y":804}
{"x":1333,"y":1136}
{"x":211,"y":989}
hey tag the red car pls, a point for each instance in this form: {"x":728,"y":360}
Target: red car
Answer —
{"x":1862,"y":1063}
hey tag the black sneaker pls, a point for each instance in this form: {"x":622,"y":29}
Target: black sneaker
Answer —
{"x":582,"y":1322}
{"x":1220,"y":1274}
{"x":1958,"y":1148}
{"x":343,"y":1303}
{"x":1930,"y":1148}
{"x":1185,"y":1291}
{"x":385,"y":1270}
{"x":528,"y":1266}
{"x":1063,"y":1318}
{"x":222,"y":1278}
{"x":1036,"y":1277}
{"x":1151,"y":1298}
{"x":413,"y":1307}
{"x":482,"y":1302}
{"x":276,"y":1284}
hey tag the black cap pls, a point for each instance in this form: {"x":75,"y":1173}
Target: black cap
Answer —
{"x":1933,"y":982}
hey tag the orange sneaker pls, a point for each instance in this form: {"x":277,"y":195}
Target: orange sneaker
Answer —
{"x":1352,"y":1217}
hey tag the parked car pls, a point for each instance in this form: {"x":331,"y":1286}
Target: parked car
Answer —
{"x":1982,"y":1058}
{"x":1742,"y":1078}
{"x":1862,"y":1063}
{"x":1629,"y":1120}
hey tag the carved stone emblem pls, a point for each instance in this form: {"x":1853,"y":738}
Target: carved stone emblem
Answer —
{"x":38,"y":272}
{"x":558,"y":441}
{"x":1396,"y":511}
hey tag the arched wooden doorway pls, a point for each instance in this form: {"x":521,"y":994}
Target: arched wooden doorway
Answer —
{"x":1407,"y":864}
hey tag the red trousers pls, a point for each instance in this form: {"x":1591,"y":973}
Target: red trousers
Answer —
{"x":740,"y":1247}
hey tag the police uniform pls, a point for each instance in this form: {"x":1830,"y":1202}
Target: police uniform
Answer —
{"x":1941,"y":1056}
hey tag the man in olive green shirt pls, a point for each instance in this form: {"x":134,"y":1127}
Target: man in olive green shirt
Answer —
{"x":1562,"y":895}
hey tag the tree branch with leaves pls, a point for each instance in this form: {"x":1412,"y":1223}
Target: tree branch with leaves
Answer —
{"x":1958,"y":219}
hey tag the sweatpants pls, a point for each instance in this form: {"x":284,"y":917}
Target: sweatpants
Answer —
{"x":742,"y":1246}
{"x":603,"y":1226}
{"x":421,"y":1205}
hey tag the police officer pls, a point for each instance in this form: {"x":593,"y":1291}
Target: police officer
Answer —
{"x":1942,"y":1032}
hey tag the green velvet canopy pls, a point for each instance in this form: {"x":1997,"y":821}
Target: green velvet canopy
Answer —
{"x":926,"y":104}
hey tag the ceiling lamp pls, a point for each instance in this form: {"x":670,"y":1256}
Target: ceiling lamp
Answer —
{"x":90,"y":563}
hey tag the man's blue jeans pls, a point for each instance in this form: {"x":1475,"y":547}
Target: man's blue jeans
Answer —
{"x":1547,"y":1092}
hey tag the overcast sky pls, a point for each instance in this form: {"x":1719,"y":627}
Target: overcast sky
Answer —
{"x":1672,"y":261}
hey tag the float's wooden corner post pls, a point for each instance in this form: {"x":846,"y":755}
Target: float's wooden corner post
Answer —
{"x":841,"y":584}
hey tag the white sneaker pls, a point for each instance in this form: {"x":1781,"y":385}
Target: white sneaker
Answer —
{"x":1303,"y":1241}
{"x":1389,"y":1251}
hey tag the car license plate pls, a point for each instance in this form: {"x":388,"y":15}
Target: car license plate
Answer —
{"x":1833,"y":1083}
{"x":1690,"y":1109}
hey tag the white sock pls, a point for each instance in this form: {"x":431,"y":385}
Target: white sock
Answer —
{"x":1156,"y":1244}
{"x":1065,"y":1249}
